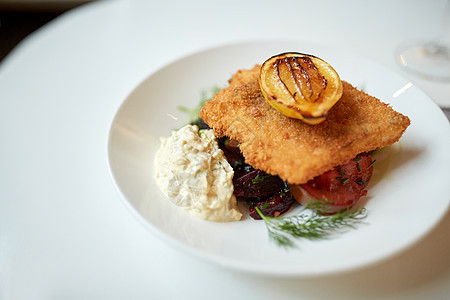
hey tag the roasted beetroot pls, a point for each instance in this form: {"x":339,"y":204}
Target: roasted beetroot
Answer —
{"x":269,"y":193}
{"x":232,"y":152}
{"x":201,"y":124}
{"x":256,"y":183}
{"x":273,"y":206}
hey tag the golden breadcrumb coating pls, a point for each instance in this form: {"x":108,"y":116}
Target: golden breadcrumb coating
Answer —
{"x":290,"y":148}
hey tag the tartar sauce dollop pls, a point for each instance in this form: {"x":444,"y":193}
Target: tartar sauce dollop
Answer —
{"x":193,"y":172}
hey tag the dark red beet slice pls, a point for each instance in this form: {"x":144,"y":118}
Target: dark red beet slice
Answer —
{"x":256,"y":183}
{"x":273,"y":206}
{"x":248,"y":182}
{"x":202,"y":125}
{"x":232,"y":153}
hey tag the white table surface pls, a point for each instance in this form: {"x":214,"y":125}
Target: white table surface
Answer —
{"x":64,"y":231}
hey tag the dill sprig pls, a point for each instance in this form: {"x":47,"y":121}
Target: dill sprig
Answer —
{"x":309,"y":224}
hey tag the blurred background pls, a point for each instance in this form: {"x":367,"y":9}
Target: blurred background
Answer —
{"x":18,"y":18}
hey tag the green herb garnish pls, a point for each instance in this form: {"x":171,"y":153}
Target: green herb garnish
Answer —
{"x":260,"y":178}
{"x":343,"y":180}
{"x":193,"y":113}
{"x":371,"y":164}
{"x":309,"y":225}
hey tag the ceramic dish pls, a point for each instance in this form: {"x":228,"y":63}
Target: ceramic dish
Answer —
{"x":407,"y":196}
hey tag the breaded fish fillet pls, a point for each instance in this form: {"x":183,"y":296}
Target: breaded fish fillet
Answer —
{"x":290,"y":148}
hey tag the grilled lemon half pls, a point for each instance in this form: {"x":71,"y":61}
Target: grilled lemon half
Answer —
{"x":300,"y":86}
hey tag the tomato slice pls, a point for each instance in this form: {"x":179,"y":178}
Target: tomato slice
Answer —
{"x":342,"y":186}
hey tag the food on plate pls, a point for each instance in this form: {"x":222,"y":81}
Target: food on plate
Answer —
{"x":289,"y":130}
{"x":193,"y":172}
{"x":330,"y":161}
{"x":290,"y":148}
{"x":300,"y":86}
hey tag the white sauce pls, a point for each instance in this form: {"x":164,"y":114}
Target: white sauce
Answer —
{"x":194,"y":173}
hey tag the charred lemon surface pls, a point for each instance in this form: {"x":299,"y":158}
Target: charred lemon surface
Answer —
{"x":300,"y":86}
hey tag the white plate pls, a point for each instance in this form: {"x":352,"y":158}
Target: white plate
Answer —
{"x":408,"y":196}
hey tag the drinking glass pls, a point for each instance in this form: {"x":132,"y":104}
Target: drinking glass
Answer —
{"x":428,"y":59}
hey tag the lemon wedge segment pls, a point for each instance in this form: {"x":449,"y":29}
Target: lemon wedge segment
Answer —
{"x":300,"y":86}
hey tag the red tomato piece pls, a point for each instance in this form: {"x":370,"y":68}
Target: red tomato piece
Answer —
{"x":343,"y":186}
